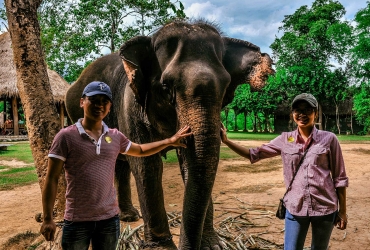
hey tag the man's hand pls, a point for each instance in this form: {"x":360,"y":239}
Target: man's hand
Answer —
{"x":182,"y":133}
{"x":48,"y":230}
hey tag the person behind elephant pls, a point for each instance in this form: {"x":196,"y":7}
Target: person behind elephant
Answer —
{"x":319,"y":187}
{"x":88,"y":151}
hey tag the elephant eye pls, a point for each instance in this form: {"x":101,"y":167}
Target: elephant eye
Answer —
{"x":169,"y":93}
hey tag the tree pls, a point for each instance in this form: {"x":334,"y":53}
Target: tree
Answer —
{"x":361,"y":105}
{"x":76,"y":32}
{"x":313,"y":38}
{"x":33,"y":83}
{"x":241,"y":104}
{"x":360,"y":66}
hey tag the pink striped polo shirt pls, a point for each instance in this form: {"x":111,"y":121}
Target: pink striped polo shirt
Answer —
{"x":89,"y":170}
{"x":313,"y":191}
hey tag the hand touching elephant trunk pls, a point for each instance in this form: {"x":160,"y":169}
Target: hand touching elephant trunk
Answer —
{"x":182,"y":75}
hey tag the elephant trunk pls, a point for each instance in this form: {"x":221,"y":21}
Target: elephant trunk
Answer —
{"x":199,"y":162}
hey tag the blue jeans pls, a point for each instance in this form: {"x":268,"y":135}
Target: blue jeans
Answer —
{"x":296,"y":228}
{"x":102,"y":234}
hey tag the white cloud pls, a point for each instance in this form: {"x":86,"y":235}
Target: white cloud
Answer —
{"x":256,"y":21}
{"x":207,"y":10}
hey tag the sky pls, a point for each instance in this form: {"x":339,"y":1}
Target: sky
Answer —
{"x":256,"y":21}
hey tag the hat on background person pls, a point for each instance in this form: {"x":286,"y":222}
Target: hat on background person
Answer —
{"x":306,"y":97}
{"x":97,"y":88}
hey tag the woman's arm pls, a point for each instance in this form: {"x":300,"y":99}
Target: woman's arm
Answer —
{"x":240,"y":150}
{"x":341,"y":220}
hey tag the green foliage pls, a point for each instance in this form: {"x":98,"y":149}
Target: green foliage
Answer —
{"x":360,"y":54}
{"x":74,"y":33}
{"x":361,"y":104}
{"x":252,"y":107}
{"x":1,"y":106}
{"x":312,"y":38}
{"x":360,"y":67}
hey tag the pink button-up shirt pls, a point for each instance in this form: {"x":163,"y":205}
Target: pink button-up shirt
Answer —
{"x":313,"y":191}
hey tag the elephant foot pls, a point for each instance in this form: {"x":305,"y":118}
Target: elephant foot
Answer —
{"x":129,"y":215}
{"x":210,"y":241}
{"x":165,"y":244}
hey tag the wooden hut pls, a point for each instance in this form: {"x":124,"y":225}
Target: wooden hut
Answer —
{"x":347,"y":121}
{"x":9,"y":95}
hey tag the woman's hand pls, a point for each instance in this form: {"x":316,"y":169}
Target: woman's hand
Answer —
{"x":341,"y":220}
{"x":223,"y":133}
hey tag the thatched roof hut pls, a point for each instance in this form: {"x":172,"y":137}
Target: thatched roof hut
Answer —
{"x":8,"y":75}
{"x":8,"y":80}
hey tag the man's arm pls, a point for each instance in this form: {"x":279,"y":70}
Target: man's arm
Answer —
{"x":154,"y":147}
{"x":49,"y":193}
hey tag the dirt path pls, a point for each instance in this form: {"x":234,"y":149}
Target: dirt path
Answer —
{"x":238,"y":185}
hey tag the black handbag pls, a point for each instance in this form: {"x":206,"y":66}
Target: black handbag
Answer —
{"x":280,"y":213}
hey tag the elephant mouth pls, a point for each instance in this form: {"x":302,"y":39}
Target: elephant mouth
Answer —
{"x":260,"y":73}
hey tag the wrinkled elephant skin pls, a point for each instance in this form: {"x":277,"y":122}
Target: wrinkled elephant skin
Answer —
{"x":182,"y":75}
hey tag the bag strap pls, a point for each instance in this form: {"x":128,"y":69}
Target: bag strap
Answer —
{"x":299,"y":165}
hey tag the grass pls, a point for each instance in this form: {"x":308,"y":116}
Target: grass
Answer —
{"x":11,"y":177}
{"x":15,"y":176}
{"x":269,"y":136}
{"x":20,"y":151}
{"x":22,"y":241}
{"x":225,"y":153}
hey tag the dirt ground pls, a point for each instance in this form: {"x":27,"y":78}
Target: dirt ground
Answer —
{"x":240,"y":188}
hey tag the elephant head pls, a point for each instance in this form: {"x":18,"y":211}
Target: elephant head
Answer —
{"x":183,"y":75}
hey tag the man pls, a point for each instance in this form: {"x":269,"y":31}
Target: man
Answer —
{"x":88,"y":150}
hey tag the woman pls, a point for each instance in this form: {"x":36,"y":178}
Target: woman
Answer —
{"x":317,"y":195}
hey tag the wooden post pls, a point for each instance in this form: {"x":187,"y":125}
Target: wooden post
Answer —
{"x":15,"y":115}
{"x":61,"y":115}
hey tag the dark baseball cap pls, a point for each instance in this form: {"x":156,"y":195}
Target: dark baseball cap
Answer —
{"x":97,"y":88}
{"x":306,"y":97}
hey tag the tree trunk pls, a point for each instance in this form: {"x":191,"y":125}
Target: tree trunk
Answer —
{"x":245,"y":122}
{"x":266,"y":130}
{"x":320,"y":117}
{"x":227,"y":116}
{"x":351,"y":124}
{"x":33,"y":85}
{"x":255,"y":123}
{"x":236,"y":113}
{"x":337,"y":121}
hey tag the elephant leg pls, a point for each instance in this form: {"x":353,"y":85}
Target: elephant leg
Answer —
{"x":128,"y":211}
{"x":148,"y":176}
{"x":210,"y":239}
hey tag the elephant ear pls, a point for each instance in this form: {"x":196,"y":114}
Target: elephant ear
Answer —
{"x":139,"y":62}
{"x":240,"y":58}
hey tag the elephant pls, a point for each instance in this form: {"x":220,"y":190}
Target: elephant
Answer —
{"x":181,"y":75}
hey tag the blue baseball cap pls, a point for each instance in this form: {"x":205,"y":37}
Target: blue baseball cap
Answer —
{"x":97,"y":88}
